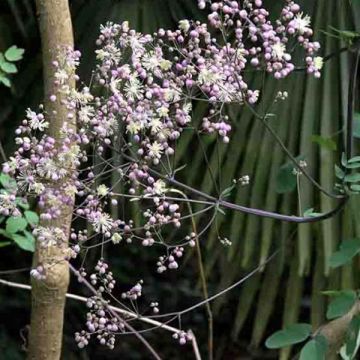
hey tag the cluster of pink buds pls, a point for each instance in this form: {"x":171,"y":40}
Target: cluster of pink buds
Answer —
{"x":100,"y":323}
{"x":103,"y":276}
{"x":183,"y":337}
{"x":134,"y":293}
{"x":169,"y":262}
{"x":38,"y":273}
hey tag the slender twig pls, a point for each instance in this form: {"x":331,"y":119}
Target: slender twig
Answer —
{"x":115,"y":314}
{"x":203,"y":281}
{"x":222,"y":292}
{"x":244,"y":209}
{"x":118,"y":310}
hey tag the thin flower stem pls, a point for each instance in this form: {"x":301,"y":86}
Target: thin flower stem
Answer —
{"x":244,"y":209}
{"x":290,"y":156}
{"x":299,"y":193}
{"x":226,"y":290}
{"x":203,"y":281}
{"x":117,"y":310}
{"x":115,"y":314}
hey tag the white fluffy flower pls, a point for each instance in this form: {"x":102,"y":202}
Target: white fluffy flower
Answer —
{"x":318,"y":63}
{"x":36,"y":122}
{"x":102,"y":190}
{"x":155,"y":149}
{"x":278,"y":50}
{"x":184,"y":25}
{"x":301,"y":23}
{"x":102,"y":222}
{"x":133,"y":88}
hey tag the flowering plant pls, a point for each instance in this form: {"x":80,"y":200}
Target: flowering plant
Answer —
{"x":139,"y":104}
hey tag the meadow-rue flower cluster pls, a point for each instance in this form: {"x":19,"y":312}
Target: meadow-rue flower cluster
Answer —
{"x":141,"y":97}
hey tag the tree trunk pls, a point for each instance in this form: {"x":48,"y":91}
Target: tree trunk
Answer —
{"x":48,"y":295}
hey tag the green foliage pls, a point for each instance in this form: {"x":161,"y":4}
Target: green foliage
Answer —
{"x":31,"y":217}
{"x":348,"y":249}
{"x":324,"y":142}
{"x":351,"y":346}
{"x":315,"y":349}
{"x":25,"y":242}
{"x":345,"y":35}
{"x":286,"y":179}
{"x":16,"y":226}
{"x":342,"y":302}
{"x":350,"y":182}
{"x":311,"y":213}
{"x":12,"y":54}
{"x":290,"y":335}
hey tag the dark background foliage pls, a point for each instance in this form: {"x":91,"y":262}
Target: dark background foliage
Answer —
{"x":289,"y":288}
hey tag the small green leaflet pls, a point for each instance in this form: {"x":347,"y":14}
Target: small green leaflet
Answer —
{"x":5,"y":80}
{"x":286,"y":179}
{"x":352,"y":178}
{"x":31,"y":217}
{"x":355,"y":188}
{"x":290,"y":335}
{"x":14,"y":53}
{"x":7,"y":67}
{"x":355,"y":159}
{"x":324,"y":142}
{"x":348,"y":249}
{"x":311,"y":213}
{"x":7,"y":182}
{"x":26,"y":242}
{"x":352,"y":338}
{"x":15,"y":224}
{"x":341,"y":304}
{"x":339,"y":172}
{"x":315,"y":349}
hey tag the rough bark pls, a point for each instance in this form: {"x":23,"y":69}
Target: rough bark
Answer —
{"x":48,"y":296}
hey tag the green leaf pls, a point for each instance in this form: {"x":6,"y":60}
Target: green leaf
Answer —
{"x":352,"y":337}
{"x":355,"y":187}
{"x":14,"y":53}
{"x":344,"y":160}
{"x":292,"y":334}
{"x":341,"y":304}
{"x":7,"y":182}
{"x":354,"y":160}
{"x":22,"y":203}
{"x":31,"y":217}
{"x":26,"y":242}
{"x":7,"y":67}
{"x":353,"y":165}
{"x":345,"y":34}
{"x":339,"y":172}
{"x":348,"y":249}
{"x":352,"y":178}
{"x":324,"y":142}
{"x":286,"y":179}
{"x":15,"y":224}
{"x":310,"y":213}
{"x":5,"y":234}
{"x":5,"y":80}
{"x":315,"y":349}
